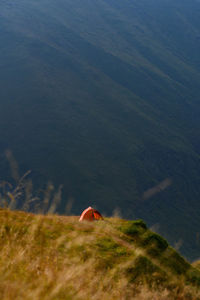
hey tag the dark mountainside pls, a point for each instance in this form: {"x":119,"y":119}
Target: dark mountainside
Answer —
{"x":103,"y":97}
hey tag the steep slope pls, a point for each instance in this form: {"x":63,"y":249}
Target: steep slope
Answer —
{"x":103,"y":96}
{"x":56,"y":257}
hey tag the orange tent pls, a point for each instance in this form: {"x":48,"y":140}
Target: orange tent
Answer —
{"x":90,"y":214}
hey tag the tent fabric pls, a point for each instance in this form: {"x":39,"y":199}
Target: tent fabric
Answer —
{"x":90,"y":214}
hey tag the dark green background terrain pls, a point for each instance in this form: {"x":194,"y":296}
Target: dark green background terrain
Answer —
{"x":103,"y":97}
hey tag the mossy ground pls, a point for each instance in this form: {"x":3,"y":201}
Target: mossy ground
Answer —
{"x":54,"y":257}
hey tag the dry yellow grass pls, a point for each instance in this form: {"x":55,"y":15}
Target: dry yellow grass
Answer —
{"x":55,"y":258}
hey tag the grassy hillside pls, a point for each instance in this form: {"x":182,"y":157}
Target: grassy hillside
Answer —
{"x":103,"y":97}
{"x":55,"y":257}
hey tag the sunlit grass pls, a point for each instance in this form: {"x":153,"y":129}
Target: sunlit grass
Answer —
{"x":57,"y":257}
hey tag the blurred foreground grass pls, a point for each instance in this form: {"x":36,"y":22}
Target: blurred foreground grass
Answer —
{"x":55,"y":257}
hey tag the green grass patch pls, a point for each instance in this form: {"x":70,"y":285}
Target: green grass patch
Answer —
{"x":133,"y":228}
{"x":144,"y":271}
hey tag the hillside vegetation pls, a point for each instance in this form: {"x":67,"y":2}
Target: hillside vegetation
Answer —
{"x":56,"y":257}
